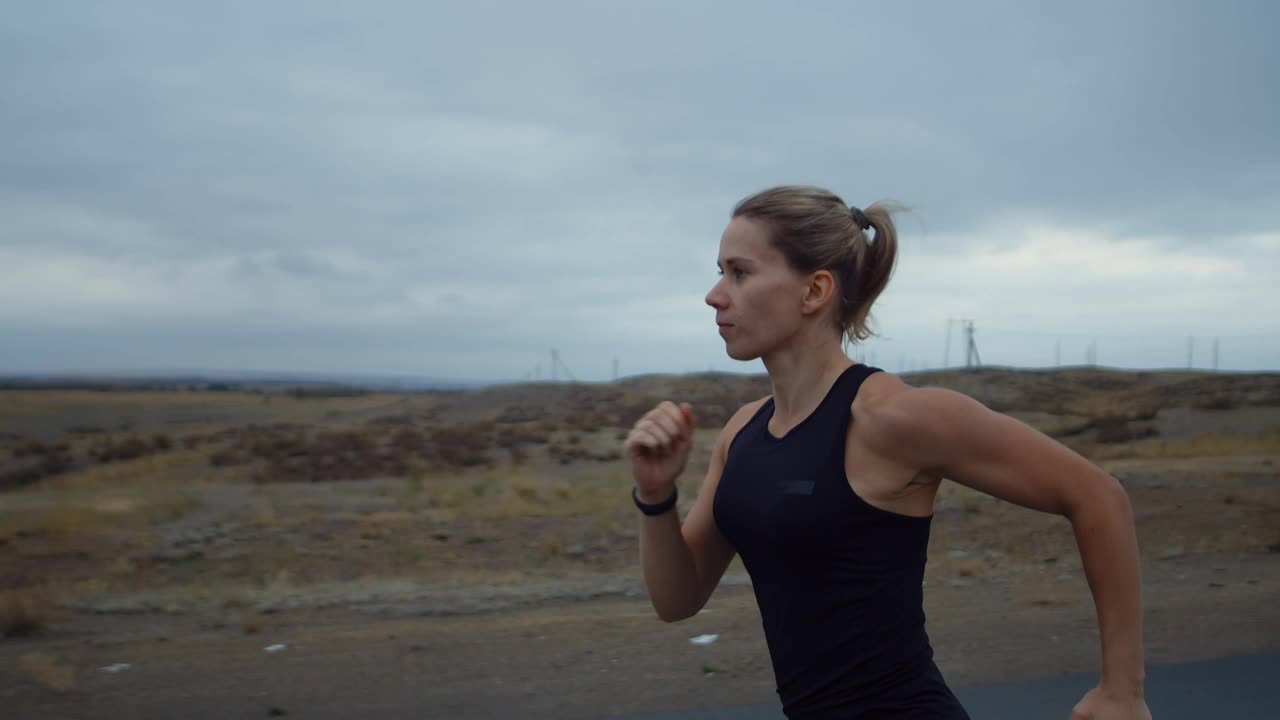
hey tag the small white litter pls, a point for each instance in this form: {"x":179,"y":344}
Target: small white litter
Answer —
{"x":117,"y":667}
{"x":275,"y":648}
{"x":704,"y":639}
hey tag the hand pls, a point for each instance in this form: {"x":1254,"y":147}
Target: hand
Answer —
{"x":658,"y":447}
{"x":1098,"y":704}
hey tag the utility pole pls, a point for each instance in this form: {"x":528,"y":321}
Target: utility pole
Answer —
{"x":557,"y":365}
{"x":971,"y":358}
{"x":946,"y":350}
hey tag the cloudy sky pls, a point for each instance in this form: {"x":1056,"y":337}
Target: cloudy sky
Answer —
{"x":432,"y":189}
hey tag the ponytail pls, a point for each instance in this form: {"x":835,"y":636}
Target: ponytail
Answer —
{"x":871,"y":264}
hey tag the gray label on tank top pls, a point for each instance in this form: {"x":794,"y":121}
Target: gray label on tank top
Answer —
{"x":799,"y":487}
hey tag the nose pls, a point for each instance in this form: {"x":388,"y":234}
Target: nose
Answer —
{"x":715,"y":297}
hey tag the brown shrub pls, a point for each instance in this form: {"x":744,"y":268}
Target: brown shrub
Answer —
{"x":410,"y":440}
{"x":24,"y":612}
{"x":463,"y":445}
{"x":56,"y":463}
{"x":331,"y":455}
{"x":20,"y":477}
{"x":29,"y":447}
{"x":128,"y":449}
{"x":1119,"y":430}
{"x":511,"y":436}
{"x":273,"y":445}
{"x":228,"y":456}
{"x":565,"y":454}
{"x":517,"y":414}
{"x":85,"y":430}
{"x":519,"y":455}
{"x":1218,"y":402}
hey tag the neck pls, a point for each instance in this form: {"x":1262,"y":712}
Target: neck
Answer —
{"x":802,"y":372}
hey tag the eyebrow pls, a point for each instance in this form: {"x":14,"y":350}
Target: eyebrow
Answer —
{"x":735,"y":260}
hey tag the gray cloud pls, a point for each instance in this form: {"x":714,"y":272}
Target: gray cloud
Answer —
{"x":509,"y":177}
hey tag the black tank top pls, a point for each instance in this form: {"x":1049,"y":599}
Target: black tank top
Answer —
{"x":838,"y":581}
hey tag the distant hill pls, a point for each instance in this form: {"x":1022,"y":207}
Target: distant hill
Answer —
{"x":235,"y":381}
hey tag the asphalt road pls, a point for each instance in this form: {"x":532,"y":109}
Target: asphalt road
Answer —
{"x":1240,"y":688}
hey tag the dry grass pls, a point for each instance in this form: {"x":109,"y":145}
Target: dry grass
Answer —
{"x":133,"y":495}
{"x":78,"y":514}
{"x":502,"y":482}
{"x":167,"y":470}
{"x":520,"y":491}
{"x":47,"y":671}
{"x":1199,"y":446}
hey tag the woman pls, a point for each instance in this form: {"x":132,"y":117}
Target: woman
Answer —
{"x":826,"y":487}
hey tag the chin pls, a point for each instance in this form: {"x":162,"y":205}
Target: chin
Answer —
{"x":741,"y":354}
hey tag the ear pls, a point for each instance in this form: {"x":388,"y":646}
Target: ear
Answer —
{"x":819,"y":292}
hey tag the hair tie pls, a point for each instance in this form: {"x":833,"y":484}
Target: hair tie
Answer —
{"x":860,"y":218}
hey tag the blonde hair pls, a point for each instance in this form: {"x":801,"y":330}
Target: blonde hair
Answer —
{"x":815,"y":230}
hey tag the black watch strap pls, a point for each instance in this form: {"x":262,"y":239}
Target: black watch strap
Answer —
{"x":657,"y":508}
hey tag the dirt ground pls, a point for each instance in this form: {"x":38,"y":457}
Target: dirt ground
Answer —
{"x":174,"y":583}
{"x":585,"y":659}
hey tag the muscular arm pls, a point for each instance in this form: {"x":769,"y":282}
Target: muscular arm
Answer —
{"x":953,"y":436}
{"x":683,"y":563}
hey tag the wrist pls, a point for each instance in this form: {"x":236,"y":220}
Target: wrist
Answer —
{"x":653,"y":507}
{"x":1128,"y":687}
{"x":653,"y":497}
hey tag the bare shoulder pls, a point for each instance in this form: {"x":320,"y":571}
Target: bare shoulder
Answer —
{"x":899,"y":418}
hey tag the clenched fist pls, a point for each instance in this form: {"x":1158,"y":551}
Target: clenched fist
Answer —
{"x":658,"y":446}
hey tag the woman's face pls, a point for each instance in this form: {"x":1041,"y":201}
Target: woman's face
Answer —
{"x":759,"y":297}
